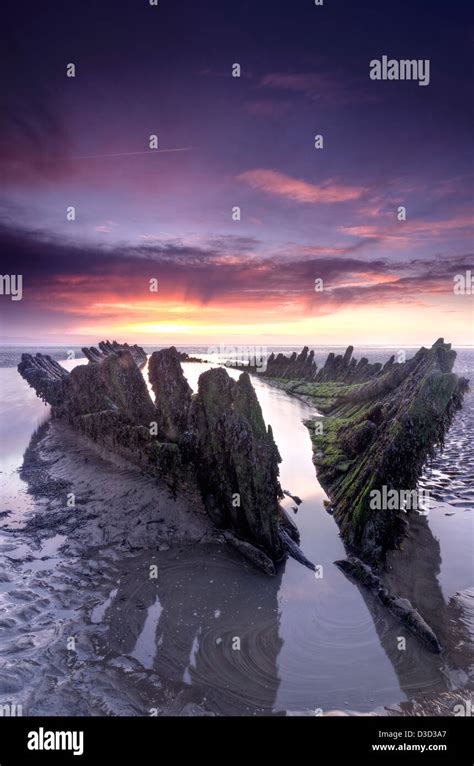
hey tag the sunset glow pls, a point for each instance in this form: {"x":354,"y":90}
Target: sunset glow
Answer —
{"x":303,"y":213}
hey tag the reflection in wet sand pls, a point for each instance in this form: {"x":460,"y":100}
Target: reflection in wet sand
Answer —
{"x":204,"y":622}
{"x":173,"y":641}
{"x":413,"y":574}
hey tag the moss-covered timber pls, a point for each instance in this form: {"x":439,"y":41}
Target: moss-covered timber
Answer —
{"x":377,"y":433}
{"x":215,"y":440}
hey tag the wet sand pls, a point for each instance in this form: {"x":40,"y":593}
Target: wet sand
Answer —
{"x":210,"y":634}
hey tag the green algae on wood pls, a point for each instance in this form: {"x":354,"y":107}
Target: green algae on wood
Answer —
{"x":379,"y":424}
{"x":378,"y":434}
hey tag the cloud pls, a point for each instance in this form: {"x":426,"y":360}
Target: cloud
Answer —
{"x":317,"y":86}
{"x":268,"y":108}
{"x":68,"y":279}
{"x":281,"y":185}
{"x":106,"y":228}
{"x":414,"y":228}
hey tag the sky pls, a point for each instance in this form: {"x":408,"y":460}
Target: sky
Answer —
{"x":226,"y":142}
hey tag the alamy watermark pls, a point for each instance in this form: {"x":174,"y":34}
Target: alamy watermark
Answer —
{"x":464,"y":709}
{"x":12,"y":285}
{"x":240,"y":356}
{"x":386,"y":499}
{"x":400,"y":69}
{"x":463,"y":284}
{"x":9,"y":710}
{"x":42,"y":739}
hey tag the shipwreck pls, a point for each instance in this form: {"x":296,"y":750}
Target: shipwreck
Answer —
{"x":215,"y":439}
{"x":376,"y":427}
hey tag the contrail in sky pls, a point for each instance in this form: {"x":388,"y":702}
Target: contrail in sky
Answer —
{"x":128,"y":154}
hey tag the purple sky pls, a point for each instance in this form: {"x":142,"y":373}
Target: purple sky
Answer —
{"x":306,"y":213}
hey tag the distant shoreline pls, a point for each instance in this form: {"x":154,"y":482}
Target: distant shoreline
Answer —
{"x":243,"y":343}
